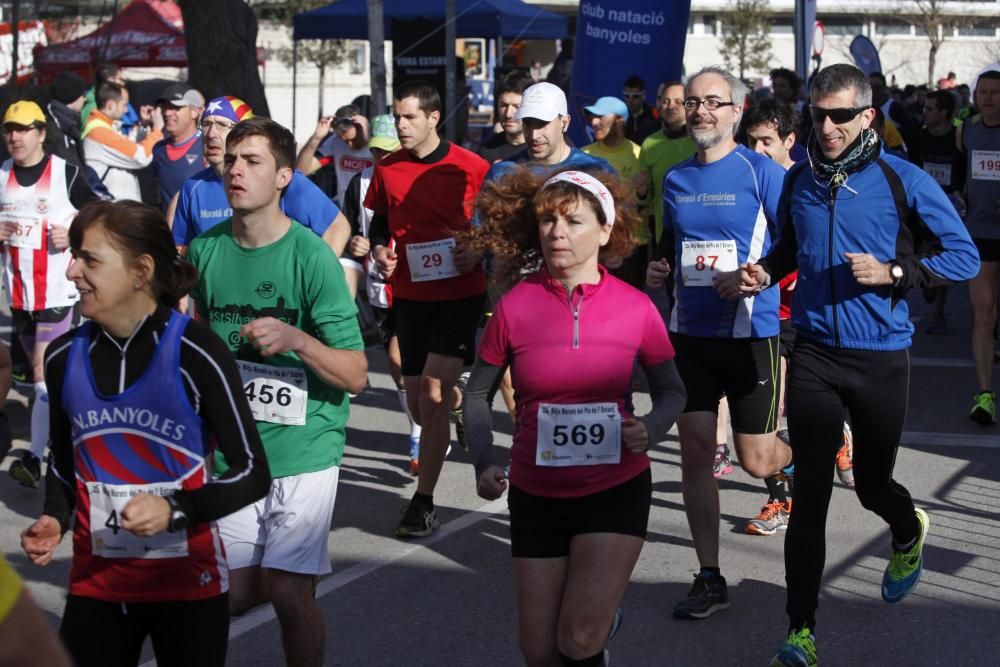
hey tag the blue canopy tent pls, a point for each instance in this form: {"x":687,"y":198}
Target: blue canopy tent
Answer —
{"x":498,"y":19}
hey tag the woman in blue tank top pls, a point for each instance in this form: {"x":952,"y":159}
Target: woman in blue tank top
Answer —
{"x":142,"y":395}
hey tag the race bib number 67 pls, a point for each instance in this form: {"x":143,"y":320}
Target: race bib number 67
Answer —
{"x":584,"y":434}
{"x":701,"y":260}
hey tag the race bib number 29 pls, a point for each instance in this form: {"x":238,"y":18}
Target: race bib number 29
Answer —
{"x":431,"y":261}
{"x":583,"y":434}
{"x":276,"y":394}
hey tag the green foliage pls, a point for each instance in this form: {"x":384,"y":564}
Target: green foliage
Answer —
{"x":322,"y":53}
{"x":746,"y":37}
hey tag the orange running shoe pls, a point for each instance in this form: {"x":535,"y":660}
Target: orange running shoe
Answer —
{"x":772,"y":518}
{"x":845,"y":458}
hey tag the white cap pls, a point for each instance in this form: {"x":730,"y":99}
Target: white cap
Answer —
{"x":543,"y":101}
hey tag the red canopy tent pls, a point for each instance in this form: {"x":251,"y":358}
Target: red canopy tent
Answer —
{"x":146,"y":33}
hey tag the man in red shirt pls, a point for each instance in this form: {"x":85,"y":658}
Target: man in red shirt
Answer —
{"x":422,"y":199}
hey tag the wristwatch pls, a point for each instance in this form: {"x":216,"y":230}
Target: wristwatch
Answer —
{"x":178,"y":519}
{"x":896,"y":272}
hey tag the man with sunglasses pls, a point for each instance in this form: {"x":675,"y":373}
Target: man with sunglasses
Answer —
{"x":640,"y":121}
{"x":719,"y":211}
{"x":341,"y":140}
{"x":201,"y":202}
{"x":854,"y":220}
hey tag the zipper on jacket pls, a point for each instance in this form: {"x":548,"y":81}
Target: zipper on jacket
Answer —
{"x":575,"y":311}
{"x":833,"y":288}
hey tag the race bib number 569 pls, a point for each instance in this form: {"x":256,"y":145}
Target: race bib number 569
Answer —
{"x":583,"y":434}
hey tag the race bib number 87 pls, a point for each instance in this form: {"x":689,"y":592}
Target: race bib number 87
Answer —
{"x":584,"y":434}
{"x":701,"y":260}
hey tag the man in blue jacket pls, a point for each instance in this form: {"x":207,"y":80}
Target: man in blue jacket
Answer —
{"x":862,"y":227}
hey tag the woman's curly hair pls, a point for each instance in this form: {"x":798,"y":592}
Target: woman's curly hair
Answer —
{"x":511,"y":207}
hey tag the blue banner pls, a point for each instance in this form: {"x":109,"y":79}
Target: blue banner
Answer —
{"x":865,"y":55}
{"x":804,"y":24}
{"x":618,"y":38}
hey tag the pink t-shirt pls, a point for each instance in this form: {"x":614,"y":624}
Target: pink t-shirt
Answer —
{"x":556,"y":360}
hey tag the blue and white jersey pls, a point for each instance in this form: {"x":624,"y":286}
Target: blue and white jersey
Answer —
{"x":202,"y":204}
{"x":721,"y":215}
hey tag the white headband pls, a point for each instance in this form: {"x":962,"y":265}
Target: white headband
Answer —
{"x":590,"y":184}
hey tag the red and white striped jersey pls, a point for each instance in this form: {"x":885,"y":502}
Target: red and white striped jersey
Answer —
{"x":34,"y":271}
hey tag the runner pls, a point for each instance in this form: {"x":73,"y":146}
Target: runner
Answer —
{"x":979,"y":140}
{"x":719,"y":210}
{"x":39,"y":195}
{"x":509,"y":93}
{"x":274,"y":292}
{"x":346,"y":147}
{"x":847,"y":226}
{"x":25,"y":636}
{"x":115,"y":158}
{"x":141,"y":396}
{"x":178,"y":156}
{"x":421,"y":198}
{"x":640,"y":121}
{"x":201,"y":203}
{"x":580,"y":482}
{"x":383,"y":142}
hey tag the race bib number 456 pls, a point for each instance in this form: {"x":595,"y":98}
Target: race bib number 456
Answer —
{"x":276,"y":394}
{"x":701,"y":260}
{"x":583,"y":434}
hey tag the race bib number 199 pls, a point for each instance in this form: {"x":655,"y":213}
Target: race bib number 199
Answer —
{"x":431,"y":261}
{"x":701,"y":260}
{"x":584,"y":434}
{"x":276,"y":394}
{"x":985,"y":165}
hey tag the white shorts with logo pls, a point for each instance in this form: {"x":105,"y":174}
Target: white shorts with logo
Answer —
{"x":288,"y":528}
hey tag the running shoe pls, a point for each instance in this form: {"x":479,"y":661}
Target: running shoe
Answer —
{"x":708,"y":595}
{"x":456,"y":414}
{"x":616,"y":624}
{"x":414,"y":456}
{"x":799,"y":650}
{"x":417,"y":521}
{"x":845,"y":458}
{"x":905,"y":567}
{"x":772,"y":518}
{"x":984,"y":408}
{"x":27,"y":470}
{"x":723,"y":465}
{"x":937,"y":326}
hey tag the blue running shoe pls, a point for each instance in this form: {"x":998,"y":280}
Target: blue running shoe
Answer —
{"x":903,"y":572}
{"x":799,"y":650}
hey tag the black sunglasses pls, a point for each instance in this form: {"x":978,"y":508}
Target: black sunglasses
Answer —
{"x":839,"y":116}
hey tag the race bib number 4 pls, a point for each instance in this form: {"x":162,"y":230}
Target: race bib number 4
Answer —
{"x":986,"y":165}
{"x":431,"y":261}
{"x":108,"y":539}
{"x":585,"y":434}
{"x":276,"y":395}
{"x":27,"y":231}
{"x":701,"y":260}
{"x":940,"y":172}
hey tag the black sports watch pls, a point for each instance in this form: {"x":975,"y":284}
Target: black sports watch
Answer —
{"x":896,"y":272}
{"x":178,"y":519}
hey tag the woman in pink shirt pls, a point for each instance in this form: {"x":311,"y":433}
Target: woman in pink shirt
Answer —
{"x":580,"y":484}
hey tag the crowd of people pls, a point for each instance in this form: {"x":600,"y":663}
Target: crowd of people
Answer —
{"x":192,"y":358}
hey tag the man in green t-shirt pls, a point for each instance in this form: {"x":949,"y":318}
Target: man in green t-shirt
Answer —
{"x":275,"y":293}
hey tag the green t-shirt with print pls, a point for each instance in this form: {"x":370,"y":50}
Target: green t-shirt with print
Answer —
{"x":298,"y":280}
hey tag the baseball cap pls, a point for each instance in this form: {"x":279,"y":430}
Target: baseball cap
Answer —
{"x":181,"y":94}
{"x":384,"y":133}
{"x":543,"y":101}
{"x":606,"y":105}
{"x":228,"y":107}
{"x":24,"y":113}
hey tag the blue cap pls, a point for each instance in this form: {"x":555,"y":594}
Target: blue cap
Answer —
{"x":607,"y":105}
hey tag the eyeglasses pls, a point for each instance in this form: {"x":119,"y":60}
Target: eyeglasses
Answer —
{"x":21,"y":129}
{"x":711,"y":103}
{"x":207,"y":125}
{"x":839,"y":116}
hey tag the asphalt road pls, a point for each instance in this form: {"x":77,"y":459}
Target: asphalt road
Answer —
{"x":448,"y":599}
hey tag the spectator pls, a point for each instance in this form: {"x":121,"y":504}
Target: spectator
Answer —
{"x":110,"y":72}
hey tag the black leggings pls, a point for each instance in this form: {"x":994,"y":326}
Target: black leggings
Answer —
{"x":823,"y":383}
{"x":110,"y":634}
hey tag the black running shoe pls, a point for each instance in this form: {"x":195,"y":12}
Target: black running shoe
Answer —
{"x":418,"y":521}
{"x":708,"y":595}
{"x":27,"y":470}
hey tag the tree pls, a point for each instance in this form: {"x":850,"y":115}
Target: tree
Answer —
{"x":323,"y":53}
{"x":746,"y":36}
{"x":930,"y":19}
{"x":221,"y":38}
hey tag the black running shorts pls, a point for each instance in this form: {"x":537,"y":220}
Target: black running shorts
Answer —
{"x":440,"y":327}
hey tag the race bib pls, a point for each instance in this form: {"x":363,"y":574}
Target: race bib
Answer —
{"x":941,"y":173}
{"x":986,"y":165}
{"x":431,"y":261}
{"x":108,"y":539}
{"x":701,"y":260}
{"x":27,"y":232}
{"x":585,"y":434}
{"x":276,"y":395}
